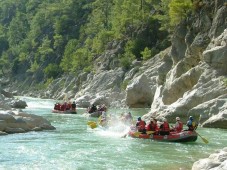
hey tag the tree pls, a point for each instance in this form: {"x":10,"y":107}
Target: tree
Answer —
{"x":4,"y":63}
{"x":4,"y":45}
{"x":178,"y":10}
{"x":18,"y":29}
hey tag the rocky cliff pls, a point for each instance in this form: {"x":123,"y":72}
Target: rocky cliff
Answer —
{"x":188,"y":78}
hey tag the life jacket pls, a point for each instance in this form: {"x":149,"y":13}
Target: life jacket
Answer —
{"x":141,"y":125}
{"x":57,"y":106}
{"x":148,"y":127}
{"x":62,"y":108}
{"x":73,"y":107}
{"x":151,"y":127}
{"x":192,"y":126}
{"x":179,"y":126}
{"x":68,"y":106}
{"x":165,"y":127}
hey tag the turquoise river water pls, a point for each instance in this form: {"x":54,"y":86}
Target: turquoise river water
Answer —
{"x":74,"y":146}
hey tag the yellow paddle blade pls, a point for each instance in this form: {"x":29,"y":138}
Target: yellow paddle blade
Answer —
{"x":93,"y":125}
{"x":150,"y":132}
{"x":90,"y":122}
{"x":204,"y":139}
{"x":137,"y":134}
{"x":124,"y":136}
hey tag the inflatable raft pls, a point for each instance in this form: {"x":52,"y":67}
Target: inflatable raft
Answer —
{"x":184,"y":136}
{"x":64,"y":112}
{"x":94,"y":114}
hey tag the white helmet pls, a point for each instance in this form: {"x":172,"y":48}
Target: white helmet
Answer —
{"x":177,"y":118}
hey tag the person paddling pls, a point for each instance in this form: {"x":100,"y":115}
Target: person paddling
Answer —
{"x":152,"y":126}
{"x":192,"y":125}
{"x":178,"y":126}
{"x":141,"y":125}
{"x":164,"y":128}
{"x":73,"y":106}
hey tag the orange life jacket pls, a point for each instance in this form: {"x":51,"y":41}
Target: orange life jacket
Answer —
{"x":165,"y":127}
{"x":141,"y":125}
{"x":179,"y":128}
{"x":152,"y":127}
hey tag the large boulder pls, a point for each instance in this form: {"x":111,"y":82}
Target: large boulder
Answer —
{"x":19,"y":104}
{"x":2,"y":124}
{"x":139,"y":94}
{"x":34,"y":121}
{"x":216,"y":161}
{"x":104,"y":81}
{"x":217,"y":121}
{"x":3,"y":103}
{"x":83,"y":101}
{"x":20,"y":122}
{"x":212,"y":112}
{"x":6,"y":93}
{"x":7,"y":117}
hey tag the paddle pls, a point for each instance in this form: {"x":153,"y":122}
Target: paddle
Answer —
{"x":92,"y":124}
{"x":124,"y":136}
{"x":137,"y":134}
{"x":204,"y":139}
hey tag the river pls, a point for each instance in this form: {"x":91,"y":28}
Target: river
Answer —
{"x":74,"y":146}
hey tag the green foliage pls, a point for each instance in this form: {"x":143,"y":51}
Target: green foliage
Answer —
{"x":48,"y":82}
{"x":53,"y":36}
{"x":52,"y":70}
{"x":45,"y":50}
{"x":81,"y":59}
{"x":163,"y":14}
{"x":128,"y":56}
{"x":4,"y":63}
{"x":100,"y":41}
{"x":124,"y":84}
{"x":225,"y":81}
{"x":178,"y":10}
{"x":18,"y":28}
{"x":125,"y":61}
{"x":146,"y":53}
{"x":3,"y":39}
{"x":66,"y":63}
{"x":34,"y":67}
{"x":87,"y":69}
{"x":58,"y":41}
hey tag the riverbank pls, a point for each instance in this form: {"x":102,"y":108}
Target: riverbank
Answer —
{"x":73,"y":145}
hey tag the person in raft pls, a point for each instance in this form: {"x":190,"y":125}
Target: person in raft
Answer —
{"x":128,"y":118}
{"x":92,"y":109}
{"x":192,"y":125}
{"x":152,"y":126}
{"x":164,"y":128}
{"x":73,"y":106}
{"x":57,"y":106}
{"x":178,"y":127}
{"x":103,"y":121}
{"x":140,"y":125}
